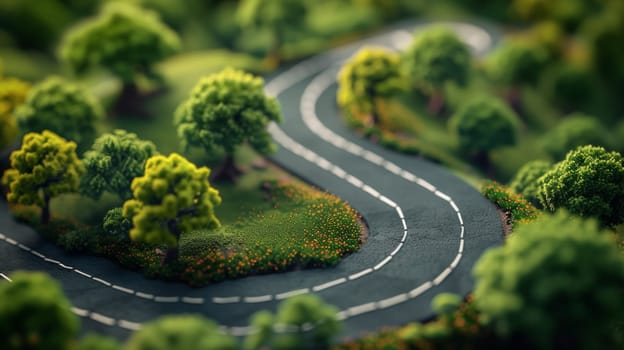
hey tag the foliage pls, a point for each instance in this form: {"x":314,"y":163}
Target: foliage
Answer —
{"x":36,"y":24}
{"x":542,"y":284}
{"x":391,"y":10}
{"x":569,"y":13}
{"x":301,"y":322}
{"x":98,"y":342}
{"x":34,"y":313}
{"x":569,"y":86}
{"x":605,"y":34}
{"x":526,"y":180}
{"x":124,"y":39}
{"x":483,"y":124}
{"x":437,"y":57}
{"x":589,"y":182}
{"x":370,"y":74}
{"x":61,"y":107}
{"x":113,"y":161}
{"x":456,"y":327}
{"x":12,"y":94}
{"x":173,"y":197}
{"x":518,"y":209}
{"x":116,"y":226}
{"x":574,"y":131}
{"x":79,"y":240}
{"x":44,"y":167}
{"x":278,"y":16}
{"x":181,"y":332}
{"x":226,"y":109}
{"x":516,"y":63}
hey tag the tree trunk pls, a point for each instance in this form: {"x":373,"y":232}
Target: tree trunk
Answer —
{"x":173,"y":253}
{"x":514,"y":100}
{"x":45,"y":210}
{"x":226,"y":171}
{"x":436,"y":103}
{"x":482,"y":160}
{"x":274,"y":58}
{"x":171,"y":256}
{"x":130,"y":102}
{"x":375,"y":114}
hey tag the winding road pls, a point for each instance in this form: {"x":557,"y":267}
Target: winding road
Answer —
{"x":427,"y":227}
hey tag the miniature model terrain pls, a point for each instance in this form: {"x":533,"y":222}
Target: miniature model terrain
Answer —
{"x":285,"y":174}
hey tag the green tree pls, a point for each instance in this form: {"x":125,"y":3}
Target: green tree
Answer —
{"x":12,"y":94}
{"x":125,"y":40}
{"x":172,"y":197}
{"x":181,"y":332}
{"x":574,"y":131}
{"x":557,"y":282}
{"x":589,"y":182}
{"x":569,"y":86}
{"x":301,"y":322}
{"x":481,"y":125}
{"x":113,"y":161}
{"x":371,"y":74}
{"x":225,"y":110}
{"x":526,"y":180}
{"x":436,"y":58}
{"x":516,"y":64}
{"x":98,"y":342}
{"x":61,"y":107}
{"x":46,"y":166}
{"x":605,"y":35}
{"x":278,"y":16}
{"x":116,"y":226}
{"x":34,"y":314}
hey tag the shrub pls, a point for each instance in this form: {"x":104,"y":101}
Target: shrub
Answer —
{"x":526,"y":180}
{"x":514,"y":205}
{"x":79,"y":240}
{"x":116,"y":226}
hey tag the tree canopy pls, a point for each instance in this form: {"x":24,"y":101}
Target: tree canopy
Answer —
{"x":124,"y":39}
{"x":34,"y":314}
{"x":277,"y":16}
{"x":98,"y":342}
{"x":61,"y":107}
{"x":46,"y":166}
{"x":370,"y":74}
{"x":589,"y":182}
{"x":526,"y":179}
{"x":225,"y":110}
{"x":301,"y":322}
{"x":437,"y":57}
{"x":557,"y":282}
{"x":12,"y":94}
{"x":483,"y":124}
{"x":516,"y":63}
{"x":574,"y":131}
{"x":113,"y":161}
{"x":172,"y":197}
{"x":181,"y":332}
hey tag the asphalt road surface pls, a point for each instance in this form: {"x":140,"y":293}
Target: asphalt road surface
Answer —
{"x":427,"y":227}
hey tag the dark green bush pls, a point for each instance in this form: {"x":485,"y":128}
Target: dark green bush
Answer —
{"x":116,"y":226}
{"x":79,"y":240}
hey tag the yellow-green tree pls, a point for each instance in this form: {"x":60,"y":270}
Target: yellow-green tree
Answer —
{"x":12,"y":94}
{"x":172,"y":197}
{"x":371,"y":74}
{"x":46,"y":166}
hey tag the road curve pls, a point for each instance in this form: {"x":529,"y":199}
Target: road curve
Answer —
{"x":427,"y":227}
